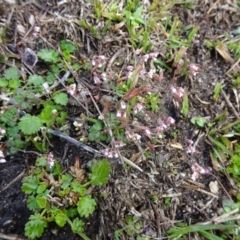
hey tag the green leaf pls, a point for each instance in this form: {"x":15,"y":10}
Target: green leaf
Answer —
{"x":14,"y":83}
{"x":68,"y":46}
{"x":198,"y":121}
{"x":49,"y":55}
{"x":42,"y":187}
{"x":71,"y":212}
{"x":66,"y":178}
{"x":61,"y":219}
{"x":35,"y":80}
{"x":77,"y":226}
{"x":31,"y":203}
{"x":86,"y":205}
{"x":30,"y":185}
{"x":100,"y":172}
{"x":77,"y":187}
{"x":35,"y":226}
{"x":30,"y":124}
{"x":217,"y":91}
{"x":41,"y":162}
{"x":61,"y":98}
{"x":184,"y":110}
{"x":41,"y":201}
{"x":11,"y":73}
{"x":60,"y":119}
{"x":3,"y":82}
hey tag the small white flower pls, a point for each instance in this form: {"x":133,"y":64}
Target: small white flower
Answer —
{"x":2,"y":131}
{"x":153,"y":56}
{"x":137,"y":108}
{"x":97,"y":80}
{"x":93,"y":62}
{"x":46,"y":87}
{"x":123,"y":105}
{"x":115,"y":154}
{"x":104,"y":76}
{"x":78,"y":125}
{"x":71,"y":89}
{"x":194,"y":69}
{"x":50,"y":160}
{"x":142,"y":72}
{"x":170,"y":121}
{"x":119,"y":144}
{"x":150,"y":73}
{"x":102,"y":57}
{"x":148,"y":133}
{"x":2,"y":160}
{"x":130,"y":68}
{"x":129,"y":74}
{"x":121,"y":114}
{"x":145,"y":57}
{"x":137,"y":137}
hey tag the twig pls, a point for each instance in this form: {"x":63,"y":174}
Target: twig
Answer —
{"x":213,"y":6}
{"x":131,"y":163}
{"x":113,"y":58}
{"x":224,"y":217}
{"x":230,"y":104}
{"x":19,"y":176}
{"x":11,"y":237}
{"x":72,"y":140}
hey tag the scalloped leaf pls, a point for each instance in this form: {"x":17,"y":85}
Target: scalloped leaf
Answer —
{"x":30,"y":124}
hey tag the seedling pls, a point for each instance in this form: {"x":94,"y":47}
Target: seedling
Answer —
{"x":58,"y":197}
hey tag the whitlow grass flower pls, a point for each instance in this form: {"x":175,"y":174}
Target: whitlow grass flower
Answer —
{"x":50,"y":160}
{"x":137,"y":108}
{"x":71,"y":89}
{"x":177,"y":92}
{"x":197,"y":170}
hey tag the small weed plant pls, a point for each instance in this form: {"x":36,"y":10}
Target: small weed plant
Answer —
{"x":28,"y":109}
{"x":60,"y":197}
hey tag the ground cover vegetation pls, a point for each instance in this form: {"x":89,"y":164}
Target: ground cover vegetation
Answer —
{"x":120,"y":119}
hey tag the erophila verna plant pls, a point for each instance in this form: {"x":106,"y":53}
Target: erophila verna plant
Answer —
{"x":59,"y":197}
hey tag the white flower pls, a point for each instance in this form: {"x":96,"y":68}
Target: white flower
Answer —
{"x":170,"y":121}
{"x":123,"y":105}
{"x":78,"y":125}
{"x":50,"y":160}
{"x":71,"y":89}
{"x":137,"y":108}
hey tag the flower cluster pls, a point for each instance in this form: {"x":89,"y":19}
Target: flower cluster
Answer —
{"x":177,"y":93}
{"x":50,"y":160}
{"x":164,"y":125}
{"x":72,"y":89}
{"x":112,"y":153}
{"x":133,"y":136}
{"x":121,"y":113}
{"x":191,"y":148}
{"x":197,"y":170}
{"x":194,"y":69}
{"x":100,"y":61}
{"x":77,"y":125}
